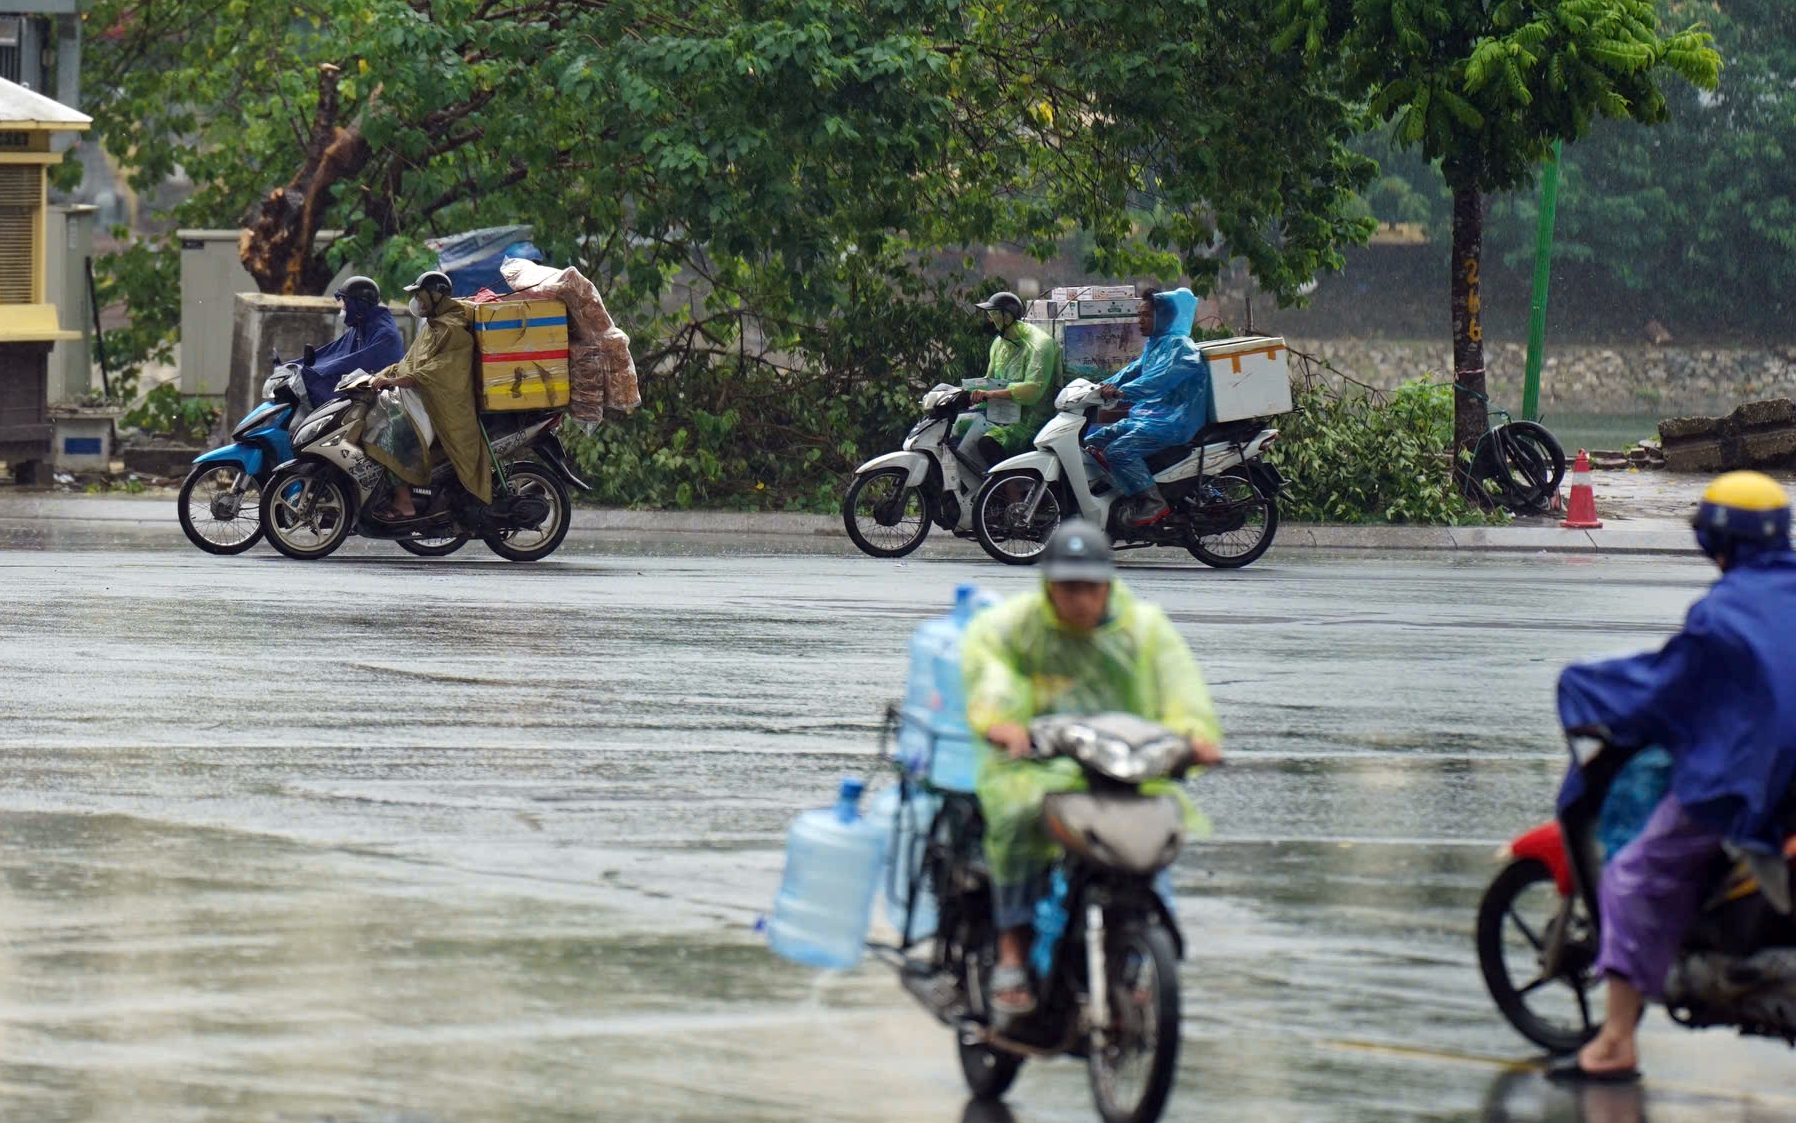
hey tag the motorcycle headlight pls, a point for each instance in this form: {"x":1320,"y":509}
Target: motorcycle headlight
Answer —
{"x":1126,"y":763}
{"x":312,"y":430}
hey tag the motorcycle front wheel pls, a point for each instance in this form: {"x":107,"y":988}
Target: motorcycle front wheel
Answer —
{"x":998,"y":517}
{"x":306,"y":517}
{"x":537,"y":542}
{"x":1132,"y":1071}
{"x":220,"y":508}
{"x":883,"y":515}
{"x":1515,"y":920}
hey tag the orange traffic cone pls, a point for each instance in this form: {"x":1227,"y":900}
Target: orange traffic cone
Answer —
{"x":1582,"y":513}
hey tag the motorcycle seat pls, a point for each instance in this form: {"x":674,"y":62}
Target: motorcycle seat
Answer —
{"x":1231,"y":431}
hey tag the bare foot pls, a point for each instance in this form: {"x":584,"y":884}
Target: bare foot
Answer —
{"x":1608,"y":1053}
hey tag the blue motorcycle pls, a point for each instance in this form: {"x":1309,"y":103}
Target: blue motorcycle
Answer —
{"x":221,"y":500}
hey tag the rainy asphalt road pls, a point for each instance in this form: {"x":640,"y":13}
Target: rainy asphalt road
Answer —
{"x":396,"y":840}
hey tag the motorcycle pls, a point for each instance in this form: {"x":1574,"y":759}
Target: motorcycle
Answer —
{"x":1540,"y":924}
{"x":1109,"y":992}
{"x":220,"y":501}
{"x":330,"y":487}
{"x":895,"y":497}
{"x":1223,"y":494}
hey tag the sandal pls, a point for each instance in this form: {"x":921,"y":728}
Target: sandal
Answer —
{"x":1011,"y":994}
{"x":386,"y":514}
{"x":1567,"y":1070}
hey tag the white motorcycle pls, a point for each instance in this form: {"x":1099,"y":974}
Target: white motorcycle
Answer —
{"x":894,"y":498}
{"x":1223,"y":494}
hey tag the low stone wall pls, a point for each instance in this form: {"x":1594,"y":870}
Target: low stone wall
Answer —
{"x":1670,"y":381}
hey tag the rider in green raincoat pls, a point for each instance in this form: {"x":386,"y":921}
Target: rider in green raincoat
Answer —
{"x":1026,"y":360}
{"x":1082,"y":644}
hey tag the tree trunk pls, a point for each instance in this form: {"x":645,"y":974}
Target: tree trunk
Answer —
{"x":1470,"y":413}
{"x":277,"y":245}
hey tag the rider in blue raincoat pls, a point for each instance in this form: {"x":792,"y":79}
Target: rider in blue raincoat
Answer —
{"x":1720,"y":698}
{"x":372,"y":343}
{"x":1168,"y":389}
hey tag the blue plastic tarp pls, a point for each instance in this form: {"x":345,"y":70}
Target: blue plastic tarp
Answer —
{"x":472,"y":259}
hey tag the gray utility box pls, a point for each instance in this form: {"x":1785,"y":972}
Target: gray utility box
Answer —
{"x":212,"y":277}
{"x":70,"y":243}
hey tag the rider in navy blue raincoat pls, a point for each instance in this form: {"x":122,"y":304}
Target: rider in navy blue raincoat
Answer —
{"x":372,"y":343}
{"x":1720,"y":698}
{"x":1168,"y":389}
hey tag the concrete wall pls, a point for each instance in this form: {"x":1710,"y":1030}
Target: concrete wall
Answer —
{"x":284,"y":324}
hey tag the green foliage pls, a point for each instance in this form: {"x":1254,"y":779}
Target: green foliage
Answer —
{"x":1353,"y":455}
{"x":165,"y":413}
{"x":146,"y":277}
{"x":1486,"y":88}
{"x":775,"y":196}
{"x":1697,"y":213}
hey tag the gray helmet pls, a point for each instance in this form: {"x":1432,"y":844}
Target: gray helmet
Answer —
{"x":1007,"y":302}
{"x":1078,"y":551}
{"x":359,"y":288}
{"x":433,"y":281}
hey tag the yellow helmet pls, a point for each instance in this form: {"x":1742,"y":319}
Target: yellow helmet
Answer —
{"x":1742,"y":505}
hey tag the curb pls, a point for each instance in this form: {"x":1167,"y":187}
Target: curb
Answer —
{"x":154,"y":511}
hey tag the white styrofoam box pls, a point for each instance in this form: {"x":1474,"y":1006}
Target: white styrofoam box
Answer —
{"x":1250,"y":376}
{"x":1072,"y":294}
{"x":1100,"y":308}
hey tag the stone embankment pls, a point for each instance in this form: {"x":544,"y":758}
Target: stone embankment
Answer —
{"x":1671,"y":381}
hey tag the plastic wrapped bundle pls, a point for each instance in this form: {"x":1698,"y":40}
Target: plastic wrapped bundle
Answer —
{"x":601,"y":371}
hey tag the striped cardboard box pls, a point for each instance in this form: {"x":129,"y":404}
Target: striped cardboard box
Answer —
{"x":521,"y":346}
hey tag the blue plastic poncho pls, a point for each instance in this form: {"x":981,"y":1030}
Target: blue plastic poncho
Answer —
{"x":372,"y":343}
{"x":1720,"y":697}
{"x":1168,"y":389}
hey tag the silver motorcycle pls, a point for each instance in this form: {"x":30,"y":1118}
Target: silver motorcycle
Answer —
{"x":331,"y":487}
{"x":1110,"y":989}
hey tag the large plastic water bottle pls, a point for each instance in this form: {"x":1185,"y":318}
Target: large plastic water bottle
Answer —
{"x":825,"y":902}
{"x":955,"y":761}
{"x":907,"y":828}
{"x":922,"y":701}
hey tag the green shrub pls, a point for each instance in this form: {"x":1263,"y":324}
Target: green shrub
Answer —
{"x":1352,"y":454}
{"x":165,"y":413}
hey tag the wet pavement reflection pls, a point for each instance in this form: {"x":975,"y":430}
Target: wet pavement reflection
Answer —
{"x":399,"y":840}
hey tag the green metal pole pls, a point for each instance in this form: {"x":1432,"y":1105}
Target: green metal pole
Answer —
{"x":1543,"y":269}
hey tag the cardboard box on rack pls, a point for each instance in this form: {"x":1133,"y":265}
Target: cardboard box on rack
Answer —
{"x":521,"y":349}
{"x":1072,"y":294}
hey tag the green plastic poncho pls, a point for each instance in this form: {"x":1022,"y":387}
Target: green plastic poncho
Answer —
{"x":441,"y":362}
{"x":1030,"y":366}
{"x":1020,"y":662}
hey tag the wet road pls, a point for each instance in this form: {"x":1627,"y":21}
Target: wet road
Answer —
{"x":387,"y":839}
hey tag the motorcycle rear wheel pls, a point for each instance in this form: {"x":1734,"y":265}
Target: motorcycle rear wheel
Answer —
{"x":1144,"y":1026}
{"x":1244,"y":545}
{"x":1500,"y":918}
{"x":989,"y":1072}
{"x":539,"y":541}
{"x":432,"y":547}
{"x":312,"y":521}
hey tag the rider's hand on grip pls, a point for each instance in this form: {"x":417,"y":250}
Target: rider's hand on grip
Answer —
{"x":1013,"y":739}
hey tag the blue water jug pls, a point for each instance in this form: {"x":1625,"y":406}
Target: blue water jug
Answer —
{"x":922,"y":701}
{"x":825,"y":902}
{"x":906,"y":824}
{"x":955,"y":761}
{"x":1050,"y":924}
